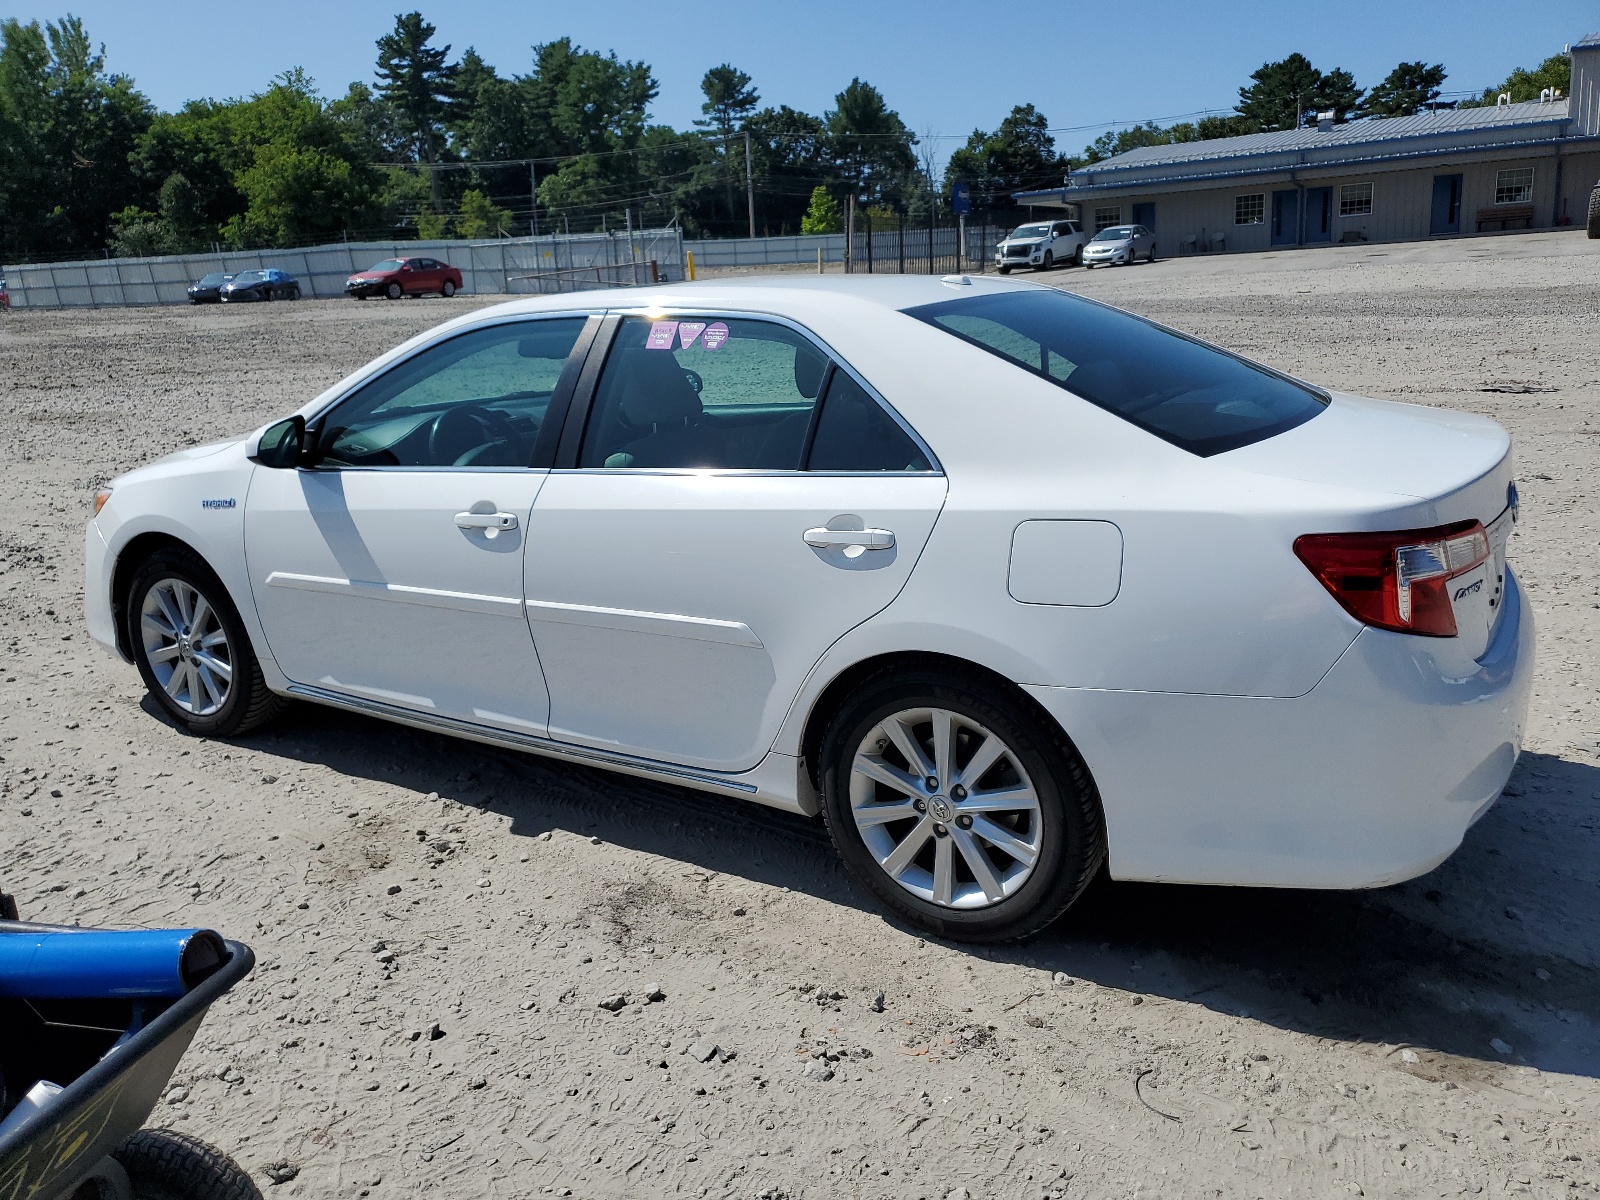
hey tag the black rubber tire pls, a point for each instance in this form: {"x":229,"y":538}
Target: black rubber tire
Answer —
{"x":1049,"y":261}
{"x":1151,"y":257}
{"x":393,"y":291}
{"x":250,"y":704}
{"x":1077,"y":257}
{"x":1004,"y":270}
{"x":163,"y":1164}
{"x":1594,"y":211}
{"x":1074,"y":845}
{"x":449,"y":289}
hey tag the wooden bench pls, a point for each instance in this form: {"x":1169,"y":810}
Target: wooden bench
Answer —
{"x":1505,"y":216}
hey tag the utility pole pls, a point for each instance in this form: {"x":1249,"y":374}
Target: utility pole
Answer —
{"x":533,"y":189}
{"x":749,"y":184}
{"x":850,"y":235}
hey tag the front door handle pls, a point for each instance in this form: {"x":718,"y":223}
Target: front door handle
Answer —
{"x":488,"y":520}
{"x":867,"y":539}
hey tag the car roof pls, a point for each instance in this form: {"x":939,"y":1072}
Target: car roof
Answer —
{"x":770,"y":292}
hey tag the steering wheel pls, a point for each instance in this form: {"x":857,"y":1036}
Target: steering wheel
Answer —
{"x":465,"y":427}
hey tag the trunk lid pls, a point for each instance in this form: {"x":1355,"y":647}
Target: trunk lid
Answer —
{"x":1409,"y":467}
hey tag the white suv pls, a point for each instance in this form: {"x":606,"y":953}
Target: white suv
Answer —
{"x":1041,"y":246}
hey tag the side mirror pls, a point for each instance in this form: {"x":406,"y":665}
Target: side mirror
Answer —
{"x":283,"y":444}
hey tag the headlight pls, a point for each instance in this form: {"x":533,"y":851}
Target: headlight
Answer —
{"x":100,"y":499}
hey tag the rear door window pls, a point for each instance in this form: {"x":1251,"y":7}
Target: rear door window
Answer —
{"x":1184,"y":391}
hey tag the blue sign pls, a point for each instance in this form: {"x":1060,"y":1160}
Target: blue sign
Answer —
{"x":961,"y":198}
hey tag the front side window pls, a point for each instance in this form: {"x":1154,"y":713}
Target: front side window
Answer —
{"x":1104,"y":217}
{"x":1355,"y":199}
{"x":476,"y":400}
{"x":1514,"y":186}
{"x":1250,"y":209}
{"x":734,"y":393}
{"x":1195,"y":396}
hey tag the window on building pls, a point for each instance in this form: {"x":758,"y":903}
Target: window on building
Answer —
{"x":1355,"y":199}
{"x":1514,"y":186}
{"x":1251,"y":209}
{"x":1104,"y":218}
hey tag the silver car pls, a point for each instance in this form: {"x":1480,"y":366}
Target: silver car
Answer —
{"x":1120,"y":244}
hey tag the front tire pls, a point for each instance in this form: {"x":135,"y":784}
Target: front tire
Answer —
{"x":959,"y":806}
{"x":192,"y":649}
{"x":1004,"y":270}
{"x":163,"y":1164}
{"x":393,"y":291}
{"x":1049,"y":261}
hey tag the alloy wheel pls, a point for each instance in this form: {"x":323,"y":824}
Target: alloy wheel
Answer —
{"x":186,"y":646}
{"x":946,"y":808}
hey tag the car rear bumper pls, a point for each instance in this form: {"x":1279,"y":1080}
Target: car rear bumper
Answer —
{"x":1370,"y":778}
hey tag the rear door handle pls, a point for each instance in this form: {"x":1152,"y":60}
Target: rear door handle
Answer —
{"x":867,"y":539}
{"x":490,"y":520}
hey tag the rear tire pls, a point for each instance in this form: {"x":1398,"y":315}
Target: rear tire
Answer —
{"x":448,"y":290}
{"x":393,"y":291}
{"x":1077,"y":257}
{"x":163,"y":1164}
{"x":1064,"y":827}
{"x":197,"y":662}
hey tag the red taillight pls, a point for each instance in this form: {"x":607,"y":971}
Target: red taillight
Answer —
{"x":1396,"y":580}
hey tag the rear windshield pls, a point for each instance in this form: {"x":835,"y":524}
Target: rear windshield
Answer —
{"x":1193,"y":395}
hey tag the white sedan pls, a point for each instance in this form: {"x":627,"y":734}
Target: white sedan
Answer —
{"x":1005,"y":583}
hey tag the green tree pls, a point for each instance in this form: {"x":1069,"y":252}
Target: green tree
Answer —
{"x":729,"y":101}
{"x":480,"y":217}
{"x":1018,"y":156}
{"x":870,"y":144}
{"x":1553,"y":72}
{"x":1120,"y":141}
{"x":823,"y":215}
{"x":1407,"y":89}
{"x":67,"y":126}
{"x":1291,"y":92}
{"x":418,"y":81}
{"x":792,"y":157}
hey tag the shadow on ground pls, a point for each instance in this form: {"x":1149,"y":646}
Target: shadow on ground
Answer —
{"x":1421,"y":965}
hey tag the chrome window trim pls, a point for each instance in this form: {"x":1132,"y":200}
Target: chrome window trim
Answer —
{"x":667,"y":312}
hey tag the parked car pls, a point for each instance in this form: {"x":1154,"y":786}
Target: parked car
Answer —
{"x":270,"y":284}
{"x":397,"y":277}
{"x":208,"y":288}
{"x":1041,"y":246}
{"x":1003,"y":582}
{"x":1120,"y":244}
{"x":5,"y":295}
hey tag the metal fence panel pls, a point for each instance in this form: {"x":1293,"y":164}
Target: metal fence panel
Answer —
{"x":556,"y":262}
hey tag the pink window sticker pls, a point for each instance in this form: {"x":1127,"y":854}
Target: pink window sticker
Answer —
{"x":716,"y":334}
{"x":661,"y":334}
{"x":688,"y":331}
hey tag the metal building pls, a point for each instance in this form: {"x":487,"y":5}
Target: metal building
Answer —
{"x":1435,"y":174}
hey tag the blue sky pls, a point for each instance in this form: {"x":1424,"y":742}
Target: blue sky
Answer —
{"x":945,"y":66}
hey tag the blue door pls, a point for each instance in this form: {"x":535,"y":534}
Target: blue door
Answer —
{"x":1319,"y":215}
{"x":1145,"y":214}
{"x":1446,"y":205}
{"x":1286,"y":218}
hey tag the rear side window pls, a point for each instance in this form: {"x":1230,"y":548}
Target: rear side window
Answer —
{"x":854,"y":433}
{"x":1195,"y":396}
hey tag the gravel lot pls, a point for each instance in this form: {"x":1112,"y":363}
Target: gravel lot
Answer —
{"x":1434,"y":1039}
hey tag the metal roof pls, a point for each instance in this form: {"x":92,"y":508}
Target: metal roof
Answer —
{"x":1425,"y":133}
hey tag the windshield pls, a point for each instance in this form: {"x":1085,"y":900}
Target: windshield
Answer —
{"x":388,"y":264}
{"x":1117,"y":233}
{"x":214,"y":279}
{"x":249,"y":276}
{"x":1193,"y":395}
{"x":1023,"y":232}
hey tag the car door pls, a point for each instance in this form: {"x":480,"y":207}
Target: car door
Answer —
{"x":731,"y":502}
{"x":390,"y":570}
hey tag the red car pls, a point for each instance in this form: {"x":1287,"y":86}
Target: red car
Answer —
{"x":396,"y":277}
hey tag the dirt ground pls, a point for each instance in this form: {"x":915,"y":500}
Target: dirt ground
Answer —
{"x":1434,"y":1039}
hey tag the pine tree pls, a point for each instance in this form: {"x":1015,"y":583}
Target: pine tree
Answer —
{"x":823,"y":216}
{"x":418,"y":81}
{"x":1407,"y":89}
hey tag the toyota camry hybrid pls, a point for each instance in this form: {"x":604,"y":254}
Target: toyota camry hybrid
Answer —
{"x":1004,"y":583}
